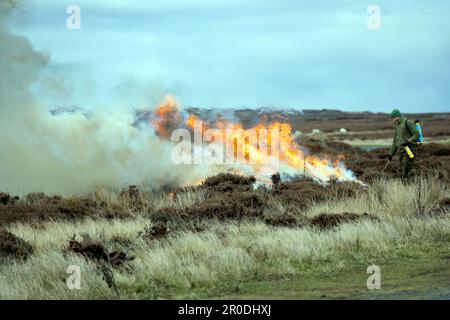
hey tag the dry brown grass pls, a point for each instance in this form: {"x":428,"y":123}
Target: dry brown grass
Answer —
{"x":177,"y":246}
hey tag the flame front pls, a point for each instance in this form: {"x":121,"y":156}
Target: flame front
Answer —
{"x":291,"y":158}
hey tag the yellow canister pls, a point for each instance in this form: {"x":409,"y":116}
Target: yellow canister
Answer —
{"x":409,"y":152}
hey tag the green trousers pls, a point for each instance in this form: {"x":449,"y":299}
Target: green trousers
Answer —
{"x":408,"y":167}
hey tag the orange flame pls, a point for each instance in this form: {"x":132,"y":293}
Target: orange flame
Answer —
{"x":168,"y":116}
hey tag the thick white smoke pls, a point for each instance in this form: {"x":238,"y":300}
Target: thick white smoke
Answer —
{"x":70,"y":152}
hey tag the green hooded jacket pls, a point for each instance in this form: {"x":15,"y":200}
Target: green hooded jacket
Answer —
{"x":405,"y":130}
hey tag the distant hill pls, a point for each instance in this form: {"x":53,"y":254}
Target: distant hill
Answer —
{"x":326,"y":120}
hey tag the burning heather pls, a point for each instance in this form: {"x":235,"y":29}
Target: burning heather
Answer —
{"x":262,"y":150}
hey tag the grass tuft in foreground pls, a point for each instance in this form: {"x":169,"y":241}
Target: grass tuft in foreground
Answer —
{"x":180,"y":249}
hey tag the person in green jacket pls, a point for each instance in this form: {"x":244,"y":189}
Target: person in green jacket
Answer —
{"x":405,"y":136}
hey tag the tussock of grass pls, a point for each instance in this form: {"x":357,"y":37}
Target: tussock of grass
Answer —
{"x":389,"y":198}
{"x":228,"y":253}
{"x":283,"y":243}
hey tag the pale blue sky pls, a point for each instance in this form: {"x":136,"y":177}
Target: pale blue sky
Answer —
{"x":300,"y":54}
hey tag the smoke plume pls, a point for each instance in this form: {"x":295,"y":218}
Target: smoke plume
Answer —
{"x":69,"y":152}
